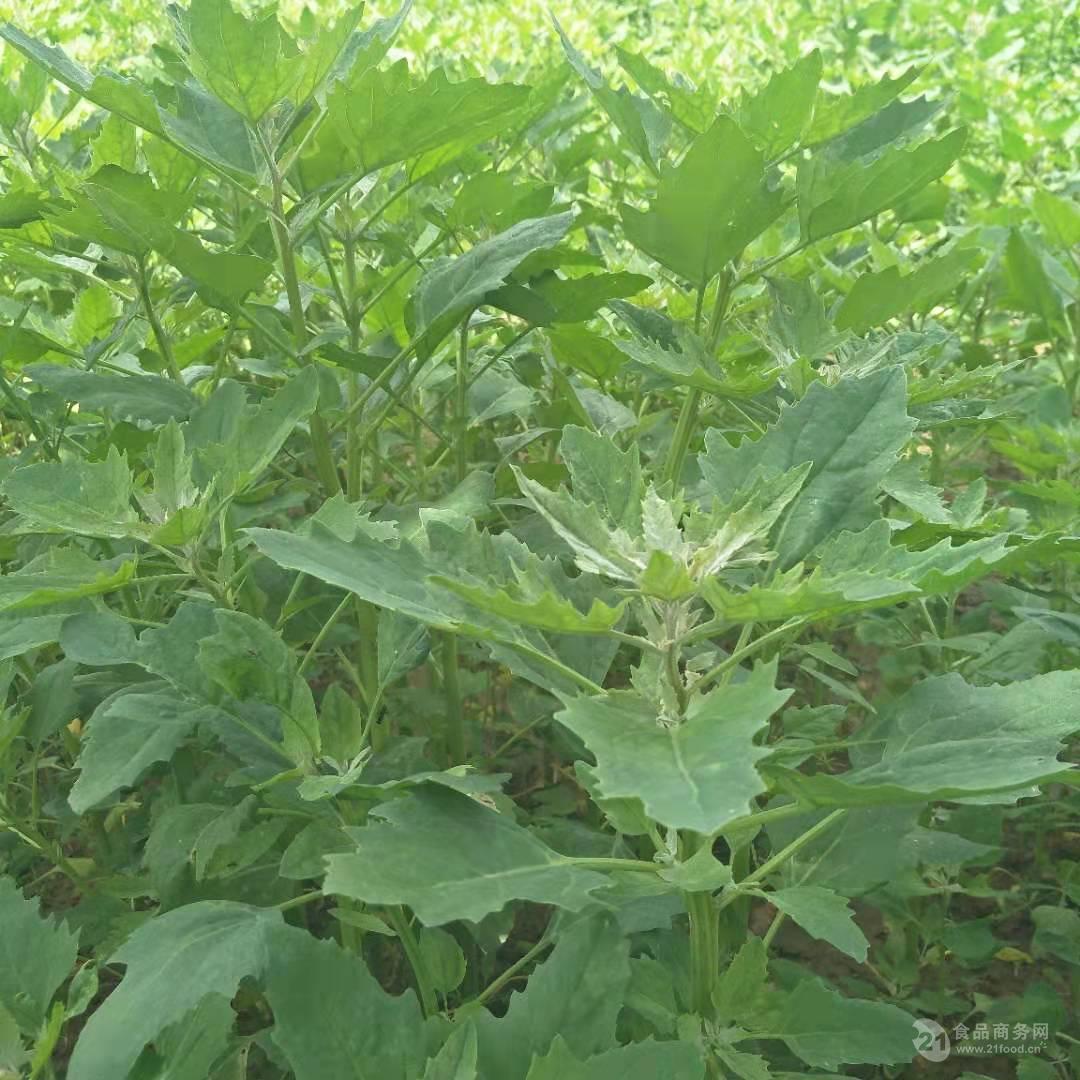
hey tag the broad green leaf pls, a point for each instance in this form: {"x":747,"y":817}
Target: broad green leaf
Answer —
{"x":576,"y":994}
{"x":776,"y":116}
{"x":457,"y":1058}
{"x":694,"y":109}
{"x":869,"y":847}
{"x":390,"y":577}
{"x":553,"y":300}
{"x":332,"y":1019}
{"x":251,"y":64}
{"x":128,"y":733}
{"x":98,"y":639}
{"x":604,"y":475}
{"x":833,"y":197}
{"x":876,"y":298}
{"x":249,"y":661}
{"x":636,"y":118}
{"x":207,"y":129}
{"x":173,"y":487}
{"x":946,"y":739}
{"x":115,"y":93}
{"x":59,"y":575}
{"x":384,"y":118}
{"x":741,"y":993}
{"x":859,"y":571}
{"x":708,"y":207}
{"x":822,"y":914}
{"x":453,"y":287}
{"x":835,"y":113}
{"x":1059,"y":217}
{"x":174,"y":961}
{"x":124,"y":397}
{"x":799,"y":321}
{"x":126,"y":211}
{"x":328,"y":54}
{"x":448,"y":857}
{"x":697,"y":772}
{"x":189,"y":1049}
{"x":1029,"y":282}
{"x":598,"y":548}
{"x":826,"y":1029}
{"x":742,"y":370}
{"x":1057,"y":932}
{"x":546,"y":611}
{"x":53,"y":701}
{"x":638,"y":1061}
{"x":91,"y":498}
{"x":851,"y":434}
{"x":94,"y":315}
{"x":583,"y":350}
{"x":36,"y":956}
{"x":19,"y":633}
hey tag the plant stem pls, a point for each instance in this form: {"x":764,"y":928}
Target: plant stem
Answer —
{"x":782,"y":856}
{"x":504,"y":977}
{"x":400,"y":922}
{"x":454,"y":729}
{"x":704,"y":950}
{"x":684,"y":431}
{"x":320,"y":434}
{"x":160,"y":336}
{"x":460,"y":401}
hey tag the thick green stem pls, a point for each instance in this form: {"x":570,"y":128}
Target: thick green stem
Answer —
{"x":400,"y":922}
{"x":461,"y":418}
{"x":704,"y":950}
{"x":160,"y":336}
{"x":454,"y":727}
{"x":320,"y":433}
{"x":367,"y":618}
{"x":684,"y":431}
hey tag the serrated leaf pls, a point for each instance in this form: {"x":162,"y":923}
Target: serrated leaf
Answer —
{"x":457,"y":1058}
{"x":90,"y":498}
{"x":775,"y":116}
{"x":823,"y":914}
{"x":946,"y":739}
{"x":174,"y":960}
{"x":696,"y":773}
{"x":826,"y":1029}
{"x":317,"y":993}
{"x":36,"y":956}
{"x":448,"y":858}
{"x":636,"y":118}
{"x":127,"y":734}
{"x":708,"y":207}
{"x":453,"y":287}
{"x":383,"y":117}
{"x":644,"y":1060}
{"x":123,"y":397}
{"x":251,"y":64}
{"x":576,"y":994}
{"x":836,"y":113}
{"x":548,"y":611}
{"x":860,"y":571}
{"x":112,"y":92}
{"x":851,"y":433}
{"x":833,"y":198}
{"x":62,"y":574}
{"x":876,"y":298}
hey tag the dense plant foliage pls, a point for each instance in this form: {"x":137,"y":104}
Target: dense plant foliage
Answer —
{"x":542,"y":576}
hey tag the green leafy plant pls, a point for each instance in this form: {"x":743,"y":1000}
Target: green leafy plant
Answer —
{"x":491,"y":569}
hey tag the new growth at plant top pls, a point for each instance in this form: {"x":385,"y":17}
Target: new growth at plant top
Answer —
{"x":545,"y":567}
